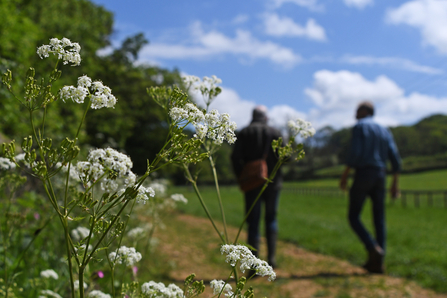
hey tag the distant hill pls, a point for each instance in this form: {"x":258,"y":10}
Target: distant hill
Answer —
{"x":422,"y":146}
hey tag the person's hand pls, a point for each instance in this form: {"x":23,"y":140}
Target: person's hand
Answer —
{"x":343,"y":182}
{"x":344,"y":179}
{"x":394,"y":190}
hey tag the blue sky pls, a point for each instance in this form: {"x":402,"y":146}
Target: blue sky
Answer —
{"x":311,"y":59}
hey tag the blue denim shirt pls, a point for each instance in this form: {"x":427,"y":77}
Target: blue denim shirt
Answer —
{"x":372,"y":145}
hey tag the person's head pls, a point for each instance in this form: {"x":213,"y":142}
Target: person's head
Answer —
{"x":260,"y":114}
{"x":364,"y":109}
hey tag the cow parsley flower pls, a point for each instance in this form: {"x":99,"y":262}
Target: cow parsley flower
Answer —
{"x":49,"y":273}
{"x":100,"y":96}
{"x":107,"y":161}
{"x":65,"y":50}
{"x":98,"y":294}
{"x":126,"y":255}
{"x":178,"y":197}
{"x":6,"y":164}
{"x":144,"y":193}
{"x":80,"y":233}
{"x":49,"y":293}
{"x":136,"y":232}
{"x":241,"y":253}
{"x":301,"y":127}
{"x":219,"y":286}
{"x":76,"y":285}
{"x":153,"y":289}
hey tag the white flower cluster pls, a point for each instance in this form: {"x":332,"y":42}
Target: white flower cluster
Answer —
{"x":219,"y":286}
{"x":76,"y":285}
{"x":136,"y":232}
{"x":98,"y":294}
{"x":101,"y":161}
{"x":100,"y":96}
{"x":301,"y":127}
{"x":144,"y":193}
{"x":49,"y":273}
{"x":126,"y":255}
{"x":159,"y":186}
{"x":80,"y":233}
{"x":178,"y":197}
{"x":6,"y":164}
{"x":248,"y":261}
{"x":49,"y":293}
{"x":159,"y":290}
{"x":65,"y":50}
{"x":206,"y":84}
{"x":211,"y":125}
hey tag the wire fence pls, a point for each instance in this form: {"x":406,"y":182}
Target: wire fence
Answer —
{"x":416,"y":198}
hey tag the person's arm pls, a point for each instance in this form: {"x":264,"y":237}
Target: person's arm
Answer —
{"x":344,"y":178}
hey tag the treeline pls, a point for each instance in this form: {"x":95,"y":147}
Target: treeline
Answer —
{"x":422,"y":146}
{"x":137,"y":124}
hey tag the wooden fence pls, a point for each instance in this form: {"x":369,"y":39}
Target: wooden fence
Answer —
{"x":418,"y":198}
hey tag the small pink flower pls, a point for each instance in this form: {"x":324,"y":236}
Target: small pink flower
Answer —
{"x":135,"y":270}
{"x":36,"y":216}
{"x":100,"y":274}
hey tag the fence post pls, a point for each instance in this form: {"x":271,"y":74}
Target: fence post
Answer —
{"x":416,"y":199}
{"x":430,"y":198}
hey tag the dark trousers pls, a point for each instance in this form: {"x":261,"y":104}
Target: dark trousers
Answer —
{"x":368,"y":182}
{"x":269,"y":198}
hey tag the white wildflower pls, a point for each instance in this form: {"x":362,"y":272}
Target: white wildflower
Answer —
{"x":144,"y":193}
{"x":178,"y":197}
{"x":301,"y":127}
{"x":76,"y":285}
{"x":65,"y":50}
{"x":136,"y":232}
{"x":153,"y":289}
{"x":80,"y":233}
{"x":98,"y":294}
{"x":236,"y":253}
{"x":6,"y":164}
{"x":49,"y":273}
{"x":49,"y":293}
{"x":84,"y":81}
{"x":126,"y":255}
{"x":159,"y":186}
{"x":219,"y":286}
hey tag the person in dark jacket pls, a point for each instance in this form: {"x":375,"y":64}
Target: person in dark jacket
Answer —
{"x":371,"y":146}
{"x":251,"y":144}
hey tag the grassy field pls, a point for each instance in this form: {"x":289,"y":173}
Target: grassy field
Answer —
{"x":417,"y":246}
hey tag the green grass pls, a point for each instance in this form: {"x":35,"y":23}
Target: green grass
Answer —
{"x":417,"y":246}
{"x":431,"y":180}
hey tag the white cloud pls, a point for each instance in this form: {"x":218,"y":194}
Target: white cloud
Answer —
{"x":429,"y":16}
{"x":393,"y":62}
{"x":240,"y":110}
{"x":360,"y":4}
{"x":204,"y":45}
{"x":240,"y":19}
{"x":337,"y":94}
{"x":312,"y":5}
{"x":276,"y":26}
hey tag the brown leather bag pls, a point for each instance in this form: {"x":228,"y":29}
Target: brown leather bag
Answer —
{"x":253,"y":174}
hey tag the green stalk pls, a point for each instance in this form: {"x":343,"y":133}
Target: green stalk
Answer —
{"x":216,"y":181}
{"x":196,"y":189}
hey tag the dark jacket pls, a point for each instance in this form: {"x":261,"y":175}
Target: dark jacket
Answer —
{"x":250,"y":145}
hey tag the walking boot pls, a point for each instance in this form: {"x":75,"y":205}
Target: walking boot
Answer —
{"x":374,"y":264}
{"x":271,"y":247}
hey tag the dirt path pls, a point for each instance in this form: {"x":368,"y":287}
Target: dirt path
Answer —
{"x":300,"y":273}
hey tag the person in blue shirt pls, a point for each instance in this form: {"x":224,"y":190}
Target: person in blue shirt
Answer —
{"x":372,"y":145}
